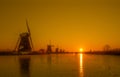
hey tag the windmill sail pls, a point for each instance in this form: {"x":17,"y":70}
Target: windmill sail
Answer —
{"x":17,"y":44}
{"x":29,"y":33}
{"x":28,"y":27}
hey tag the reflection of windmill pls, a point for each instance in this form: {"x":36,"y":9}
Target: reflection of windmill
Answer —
{"x":24,"y":63}
{"x":24,"y":43}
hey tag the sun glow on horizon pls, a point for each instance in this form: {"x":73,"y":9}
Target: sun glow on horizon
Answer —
{"x":81,"y":49}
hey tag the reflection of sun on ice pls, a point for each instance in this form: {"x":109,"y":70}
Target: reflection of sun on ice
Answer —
{"x":81,"y":49}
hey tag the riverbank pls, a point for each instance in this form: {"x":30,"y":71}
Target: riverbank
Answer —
{"x":2,"y":53}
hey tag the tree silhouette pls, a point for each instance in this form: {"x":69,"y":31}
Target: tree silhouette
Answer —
{"x":106,"y":48}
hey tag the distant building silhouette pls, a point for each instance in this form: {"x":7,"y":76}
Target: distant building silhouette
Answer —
{"x":49,"y":48}
{"x":57,"y":50}
{"x":42,"y":51}
{"x":60,"y":50}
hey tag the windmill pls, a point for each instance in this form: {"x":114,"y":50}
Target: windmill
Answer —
{"x":49,"y":48}
{"x":24,"y":43}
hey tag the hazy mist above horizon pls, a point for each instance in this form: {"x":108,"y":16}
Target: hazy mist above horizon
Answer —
{"x":69,"y":24}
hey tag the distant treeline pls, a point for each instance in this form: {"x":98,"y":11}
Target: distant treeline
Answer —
{"x":110,"y":52}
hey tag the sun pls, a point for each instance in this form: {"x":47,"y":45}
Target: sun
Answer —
{"x":81,"y":49}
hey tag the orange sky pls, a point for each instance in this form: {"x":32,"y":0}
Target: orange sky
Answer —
{"x":69,"y":24}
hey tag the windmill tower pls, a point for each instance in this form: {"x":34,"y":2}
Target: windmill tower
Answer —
{"x":49,"y":48}
{"x":24,"y":43}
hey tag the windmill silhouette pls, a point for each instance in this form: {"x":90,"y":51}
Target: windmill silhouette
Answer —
{"x":49,"y":48}
{"x":24,"y":43}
